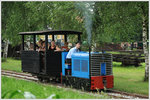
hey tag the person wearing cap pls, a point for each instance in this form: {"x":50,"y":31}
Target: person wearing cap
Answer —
{"x":73,"y":50}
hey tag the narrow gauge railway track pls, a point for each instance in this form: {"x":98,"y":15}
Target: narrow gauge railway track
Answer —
{"x":24,"y":76}
{"x":138,"y":96}
{"x":110,"y":92}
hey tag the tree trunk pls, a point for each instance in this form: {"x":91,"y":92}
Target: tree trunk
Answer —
{"x":5,"y":49}
{"x":145,"y":48}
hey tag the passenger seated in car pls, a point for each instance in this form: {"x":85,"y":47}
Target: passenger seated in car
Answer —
{"x":39,"y":44}
{"x":42,"y":54}
{"x":65,"y":47}
{"x":73,"y":50}
{"x":54,"y":47}
{"x":42,"y":46}
{"x":31,"y":46}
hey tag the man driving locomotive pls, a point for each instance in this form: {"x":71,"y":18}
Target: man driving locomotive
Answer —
{"x":73,"y":50}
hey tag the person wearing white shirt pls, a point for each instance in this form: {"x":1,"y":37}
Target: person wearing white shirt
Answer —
{"x":73,"y":50}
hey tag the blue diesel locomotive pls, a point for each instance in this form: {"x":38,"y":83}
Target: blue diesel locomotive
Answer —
{"x":89,"y":71}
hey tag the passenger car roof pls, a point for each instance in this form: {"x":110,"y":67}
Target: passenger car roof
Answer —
{"x":50,"y":32}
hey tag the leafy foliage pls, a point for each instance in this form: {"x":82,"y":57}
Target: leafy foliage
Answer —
{"x":112,"y":21}
{"x":26,"y":94}
{"x":118,"y":21}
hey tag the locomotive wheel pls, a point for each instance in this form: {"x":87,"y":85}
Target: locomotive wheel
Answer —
{"x":46,"y":80}
{"x":40,"y":79}
{"x":82,"y":88}
{"x":58,"y":80}
{"x":64,"y":84}
{"x":102,"y":90}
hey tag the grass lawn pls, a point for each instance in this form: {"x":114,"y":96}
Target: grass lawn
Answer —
{"x":128,"y":79}
{"x":11,"y":64}
{"x":42,"y":91}
{"x":116,"y":52}
{"x":113,"y":52}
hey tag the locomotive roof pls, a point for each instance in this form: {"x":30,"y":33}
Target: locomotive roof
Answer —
{"x":50,"y":32}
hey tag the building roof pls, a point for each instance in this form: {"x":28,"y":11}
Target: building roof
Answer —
{"x":50,"y":32}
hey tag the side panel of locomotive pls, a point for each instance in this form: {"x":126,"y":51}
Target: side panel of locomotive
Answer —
{"x":80,"y":75}
{"x":80,"y":65}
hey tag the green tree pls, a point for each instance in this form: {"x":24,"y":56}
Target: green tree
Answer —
{"x":117,"y":22}
{"x":144,"y":14}
{"x":122,"y":22}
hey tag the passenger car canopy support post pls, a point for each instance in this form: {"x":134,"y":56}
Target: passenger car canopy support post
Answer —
{"x":34,"y":42}
{"x":46,"y":42}
{"x":53,"y":37}
{"x":22,"y":42}
{"x":46,"y":49}
{"x":79,"y":38}
{"x":65,"y":38}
